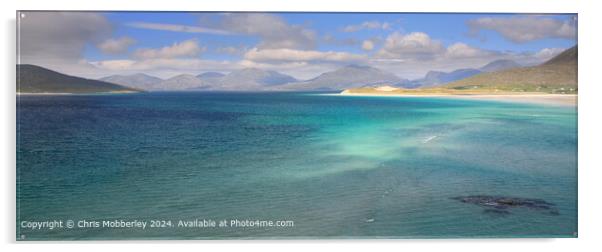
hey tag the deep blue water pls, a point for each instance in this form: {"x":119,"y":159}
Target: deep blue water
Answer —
{"x":336,"y":166}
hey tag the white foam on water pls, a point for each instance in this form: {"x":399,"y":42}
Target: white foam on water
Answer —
{"x":428,"y":139}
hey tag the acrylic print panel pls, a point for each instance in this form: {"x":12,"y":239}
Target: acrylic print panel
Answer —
{"x":185,"y":125}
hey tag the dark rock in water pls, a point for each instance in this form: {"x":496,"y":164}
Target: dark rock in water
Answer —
{"x":500,"y":204}
{"x":497,"y":212}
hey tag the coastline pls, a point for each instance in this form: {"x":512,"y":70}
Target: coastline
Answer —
{"x":64,"y":93}
{"x":531,"y":98}
{"x":542,"y":99}
{"x":42,"y":94}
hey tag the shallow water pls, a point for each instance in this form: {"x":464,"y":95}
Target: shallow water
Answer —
{"x":337,"y":166}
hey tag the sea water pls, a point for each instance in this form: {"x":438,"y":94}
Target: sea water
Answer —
{"x":336,"y":166}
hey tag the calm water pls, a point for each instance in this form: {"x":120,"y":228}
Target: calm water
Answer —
{"x":336,"y":166}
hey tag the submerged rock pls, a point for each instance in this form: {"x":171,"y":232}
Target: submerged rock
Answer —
{"x":496,"y":212}
{"x":502,"y":204}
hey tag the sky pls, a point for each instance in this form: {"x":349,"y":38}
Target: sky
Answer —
{"x":303,"y":45}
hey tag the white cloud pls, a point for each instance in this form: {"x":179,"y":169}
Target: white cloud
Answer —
{"x":161,"y":67}
{"x":412,"y":55}
{"x":264,"y":55}
{"x":415,"y":45}
{"x":406,"y":68}
{"x":372,"y":25}
{"x":302,"y":64}
{"x":53,"y":36}
{"x":122,"y":64}
{"x":165,"y":68}
{"x":177,"y":28}
{"x":116,"y":45}
{"x":282,"y":46}
{"x":273,"y":30}
{"x":548,"y":53}
{"x":56,"y":40}
{"x":159,"y":63}
{"x":461,"y":50}
{"x":458,"y":56}
{"x":368,"y":45}
{"x":272,"y":66}
{"x":299,"y":69}
{"x":418,"y":46}
{"x":523,"y":29}
{"x":187,"y":48}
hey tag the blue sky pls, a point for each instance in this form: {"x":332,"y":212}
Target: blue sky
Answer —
{"x":301,"y":44}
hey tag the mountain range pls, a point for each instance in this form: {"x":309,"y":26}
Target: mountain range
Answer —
{"x":499,"y":65}
{"x":138,"y":81}
{"x":350,"y":76}
{"x":248,"y":79}
{"x":253,"y":79}
{"x":437,"y":78}
{"x":181,"y":82}
{"x":557,"y":75}
{"x":559,"y":71}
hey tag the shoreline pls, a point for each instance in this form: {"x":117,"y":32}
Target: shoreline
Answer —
{"x":43,"y":94}
{"x":530,"y":98}
{"x":542,"y":99}
{"x":62,"y":93}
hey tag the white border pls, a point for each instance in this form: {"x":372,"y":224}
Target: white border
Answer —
{"x":589,"y":121}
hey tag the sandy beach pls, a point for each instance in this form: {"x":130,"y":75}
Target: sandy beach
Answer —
{"x":547,"y":99}
{"x":535,"y":98}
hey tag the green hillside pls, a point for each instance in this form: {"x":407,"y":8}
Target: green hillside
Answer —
{"x":557,"y":75}
{"x":35,"y":79}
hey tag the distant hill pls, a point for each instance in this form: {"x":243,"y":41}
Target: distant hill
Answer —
{"x":251,"y":79}
{"x":568,"y":57}
{"x":209,"y":79}
{"x":182,"y":82}
{"x":438,"y":78}
{"x":557,"y":75}
{"x":248,"y":79}
{"x":499,"y":65}
{"x":36,"y":79}
{"x":435,"y":78}
{"x":138,"y":81}
{"x":210,"y":75}
{"x":351,"y":76}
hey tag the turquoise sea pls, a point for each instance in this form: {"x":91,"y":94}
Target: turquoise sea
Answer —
{"x":337,"y":166}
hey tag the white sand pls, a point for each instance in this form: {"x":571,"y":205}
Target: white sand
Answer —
{"x":547,"y":99}
{"x":386,"y":88}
